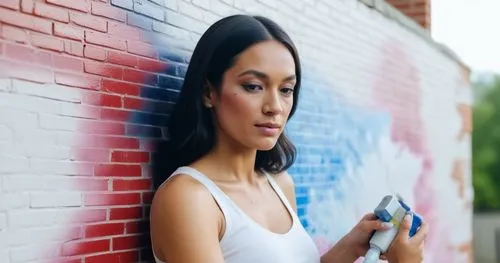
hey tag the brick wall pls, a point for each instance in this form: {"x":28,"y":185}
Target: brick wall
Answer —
{"x":86,"y":86}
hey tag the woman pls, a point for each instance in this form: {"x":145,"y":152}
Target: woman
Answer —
{"x":228,"y":197}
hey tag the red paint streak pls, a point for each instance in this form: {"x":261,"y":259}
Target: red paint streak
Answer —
{"x":398,"y":90}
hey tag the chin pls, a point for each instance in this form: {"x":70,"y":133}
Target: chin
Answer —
{"x":266,"y":145}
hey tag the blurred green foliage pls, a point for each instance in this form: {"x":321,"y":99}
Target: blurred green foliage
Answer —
{"x":486,"y":144}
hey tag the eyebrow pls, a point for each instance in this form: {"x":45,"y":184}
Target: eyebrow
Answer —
{"x":263,"y":75}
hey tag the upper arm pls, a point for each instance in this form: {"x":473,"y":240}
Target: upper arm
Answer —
{"x":185,"y":223}
{"x":285,"y":182}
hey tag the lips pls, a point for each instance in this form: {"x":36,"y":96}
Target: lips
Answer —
{"x":268,"y":125}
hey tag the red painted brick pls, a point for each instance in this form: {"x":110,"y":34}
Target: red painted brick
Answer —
{"x":104,"y":40}
{"x":89,"y":215}
{"x":27,"y":6}
{"x":26,"y":72}
{"x":24,"y":53}
{"x":138,"y":76}
{"x":151,"y":65}
{"x":67,"y":63}
{"x":100,"y":127}
{"x":147,"y":197}
{"x":124,"y":31}
{"x":102,"y":230}
{"x":131,"y":185}
{"x":89,"y":21}
{"x":125,"y":213}
{"x":90,"y":155}
{"x":81,"y":81}
{"x":80,"y":5}
{"x":132,"y":103}
{"x":126,"y":242}
{"x":1,"y":48}
{"x":53,"y":12}
{"x":12,"y":4}
{"x":114,"y":114}
{"x":121,"y":88}
{"x":85,"y":247}
{"x":106,"y":10}
{"x":134,"y":227}
{"x":102,"y":69}
{"x":73,"y":48}
{"x":101,"y":99}
{"x":25,"y":21}
{"x":118,"y":170}
{"x":68,"y":31}
{"x":94,"y":52}
{"x":115,"y":257}
{"x":122,"y":59}
{"x":129,"y":157}
{"x":142,"y":49}
{"x":88,"y":184}
{"x":112,"y":199}
{"x":14,"y":33}
{"x":105,"y":142}
{"x":47,"y":42}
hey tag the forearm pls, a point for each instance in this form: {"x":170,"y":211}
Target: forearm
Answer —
{"x":341,"y":252}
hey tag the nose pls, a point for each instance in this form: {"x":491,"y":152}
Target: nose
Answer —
{"x":272,"y":103}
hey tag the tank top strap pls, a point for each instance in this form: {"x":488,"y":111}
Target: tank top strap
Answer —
{"x":280,"y":193}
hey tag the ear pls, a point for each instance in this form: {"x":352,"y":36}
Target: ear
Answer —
{"x":208,"y":95}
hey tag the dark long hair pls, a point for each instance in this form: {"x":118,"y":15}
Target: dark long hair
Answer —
{"x":191,"y":126}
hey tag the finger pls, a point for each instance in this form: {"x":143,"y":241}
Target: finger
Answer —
{"x":383,"y":257}
{"x":404,"y":229}
{"x":421,"y":234}
{"x":370,"y":225}
{"x":369,"y":216}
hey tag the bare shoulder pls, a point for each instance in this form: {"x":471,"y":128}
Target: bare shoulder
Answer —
{"x":183,"y":210}
{"x":285,"y":182}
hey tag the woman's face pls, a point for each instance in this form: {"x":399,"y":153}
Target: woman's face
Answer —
{"x":256,"y":96}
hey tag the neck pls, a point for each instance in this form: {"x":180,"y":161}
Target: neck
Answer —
{"x":233,"y":161}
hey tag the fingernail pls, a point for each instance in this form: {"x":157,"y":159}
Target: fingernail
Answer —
{"x":407,"y":218}
{"x":387,"y":225}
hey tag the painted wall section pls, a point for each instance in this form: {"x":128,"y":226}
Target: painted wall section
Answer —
{"x":86,"y":87}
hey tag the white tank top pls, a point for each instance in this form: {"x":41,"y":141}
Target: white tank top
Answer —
{"x":246,"y":241}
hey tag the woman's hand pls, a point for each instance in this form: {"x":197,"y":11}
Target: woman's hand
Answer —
{"x":404,"y":249}
{"x":359,"y":236}
{"x":355,"y":243}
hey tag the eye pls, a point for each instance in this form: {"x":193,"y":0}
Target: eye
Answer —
{"x":252,"y":87}
{"x":287,"y":91}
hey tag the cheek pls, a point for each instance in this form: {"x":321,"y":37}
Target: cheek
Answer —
{"x":235,"y":104}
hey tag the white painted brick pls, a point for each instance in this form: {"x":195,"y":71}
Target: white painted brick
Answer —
{"x":145,"y":8}
{"x":30,"y":103}
{"x":5,"y":85}
{"x":72,"y":110}
{"x":12,"y":201}
{"x":205,"y":4}
{"x":21,"y":236}
{"x":127,"y":4}
{"x":270,"y":3}
{"x":22,"y":182}
{"x":228,"y":2}
{"x":222,"y":9}
{"x":171,"y":4}
{"x":18,"y":118}
{"x":179,"y":20}
{"x":9,"y":164}
{"x":43,"y":166}
{"x":3,"y":222}
{"x":210,"y":18}
{"x":6,"y":134}
{"x":52,"y":122}
{"x":38,"y":150}
{"x":37,"y":136}
{"x":50,"y":91}
{"x":191,"y":10}
{"x":4,"y":252}
{"x":34,"y":252}
{"x":40,"y":200}
{"x":37,"y":217}
{"x":170,"y":30}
